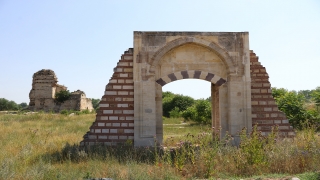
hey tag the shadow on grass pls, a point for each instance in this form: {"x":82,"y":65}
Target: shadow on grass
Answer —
{"x":121,"y":153}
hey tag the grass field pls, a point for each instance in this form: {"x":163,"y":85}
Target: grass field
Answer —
{"x":45,"y":146}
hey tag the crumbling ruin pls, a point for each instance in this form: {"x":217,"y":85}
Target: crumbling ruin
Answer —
{"x":42,"y":95}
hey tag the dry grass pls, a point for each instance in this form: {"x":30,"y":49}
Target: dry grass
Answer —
{"x":45,"y":146}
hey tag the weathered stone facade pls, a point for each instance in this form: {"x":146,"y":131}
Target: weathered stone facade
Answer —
{"x":131,"y":108}
{"x":42,"y":95}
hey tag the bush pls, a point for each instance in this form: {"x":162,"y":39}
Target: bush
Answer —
{"x":200,"y":112}
{"x":8,"y":105}
{"x":171,"y":101}
{"x":62,"y":96}
{"x":95,"y":103}
{"x":293,"y":105}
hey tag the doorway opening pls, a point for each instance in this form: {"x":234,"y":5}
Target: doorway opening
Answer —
{"x":189,"y":110}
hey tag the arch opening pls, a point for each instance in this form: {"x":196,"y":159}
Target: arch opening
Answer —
{"x":215,"y":120}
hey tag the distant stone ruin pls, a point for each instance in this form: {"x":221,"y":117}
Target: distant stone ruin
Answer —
{"x":42,"y":95}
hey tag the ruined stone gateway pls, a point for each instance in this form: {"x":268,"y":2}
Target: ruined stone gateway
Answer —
{"x":131,"y":108}
{"x":42,"y":95}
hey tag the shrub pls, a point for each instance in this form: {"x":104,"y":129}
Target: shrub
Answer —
{"x":200,"y":112}
{"x":62,"y":96}
{"x":171,"y":101}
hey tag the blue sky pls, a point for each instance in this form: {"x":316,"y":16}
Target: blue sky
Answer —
{"x":83,"y":40}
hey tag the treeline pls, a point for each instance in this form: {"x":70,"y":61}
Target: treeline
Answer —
{"x":176,"y":105}
{"x":6,"y":105}
{"x":301,"y":107}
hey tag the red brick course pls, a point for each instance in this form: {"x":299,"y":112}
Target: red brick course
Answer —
{"x":115,"y":118}
{"x":265,"y":112}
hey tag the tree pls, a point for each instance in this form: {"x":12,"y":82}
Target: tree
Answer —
{"x":278,"y":92}
{"x":172,"y":101}
{"x":95,"y":103}
{"x":23,"y":105}
{"x":200,"y":112}
{"x":7,"y":105}
{"x":306,"y":94}
{"x":62,"y":95}
{"x":315,"y":94}
{"x":293,"y":105}
{"x":3,"y":104}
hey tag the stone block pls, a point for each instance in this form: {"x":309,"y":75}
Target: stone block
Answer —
{"x":110,"y":93}
{"x":123,"y":137}
{"x":267,"y":109}
{"x":116,"y":124}
{"x":124,"y":124}
{"x":104,"y":118}
{"x":129,"y":118}
{"x":264,"y":90}
{"x":285,"y":121}
{"x":128,"y":70}
{"x":127,"y":87}
{"x":274,"y":115}
{"x":113,"y":117}
{"x":129,"y":81}
{"x":118,"y":70}
{"x":105,"y":130}
{"x":123,"y":75}
{"x":117,"y":87}
{"x":123,"y":63}
{"x":113,"y":131}
{"x":123,"y":93}
{"x":103,"y":105}
{"x":107,"y":111}
{"x":128,"y":131}
{"x":128,"y":111}
{"x":283,"y":127}
{"x":113,"y":137}
{"x":255,"y":90}
{"x":262,"y":102}
{"x":127,"y":57}
{"x":103,"y":137}
{"x":123,"y":105}
{"x":117,"y":111}
{"x":254,"y":103}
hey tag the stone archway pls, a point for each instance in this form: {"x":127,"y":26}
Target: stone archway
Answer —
{"x":131,"y":108}
{"x":164,"y":57}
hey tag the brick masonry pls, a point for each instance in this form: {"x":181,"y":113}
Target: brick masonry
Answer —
{"x":114,"y":121}
{"x":265,"y":112}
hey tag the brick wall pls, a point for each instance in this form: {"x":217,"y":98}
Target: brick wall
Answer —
{"x":114,"y":121}
{"x":265,"y":112}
